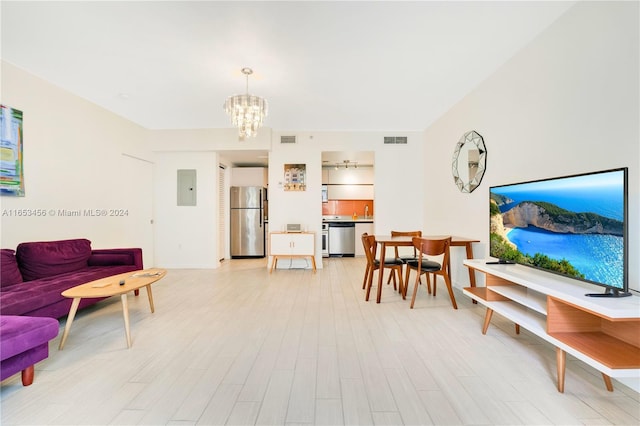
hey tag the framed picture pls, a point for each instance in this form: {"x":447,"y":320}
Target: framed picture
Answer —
{"x":11,"y":171}
{"x":294,"y":177}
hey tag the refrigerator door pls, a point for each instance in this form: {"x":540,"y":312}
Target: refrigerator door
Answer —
{"x":247,"y":197}
{"x":247,"y":233}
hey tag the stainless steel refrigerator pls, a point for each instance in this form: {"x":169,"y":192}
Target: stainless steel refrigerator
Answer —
{"x":248,"y":214}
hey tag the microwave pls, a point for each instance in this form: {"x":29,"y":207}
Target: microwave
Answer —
{"x":325,"y":194}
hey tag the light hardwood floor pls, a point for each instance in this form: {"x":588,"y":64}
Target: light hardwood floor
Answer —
{"x":238,"y":345}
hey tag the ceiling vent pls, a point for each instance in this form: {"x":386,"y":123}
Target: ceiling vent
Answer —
{"x":395,"y":140}
{"x":287,"y":139}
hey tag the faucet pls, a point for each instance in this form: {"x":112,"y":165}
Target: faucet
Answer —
{"x":366,"y":211}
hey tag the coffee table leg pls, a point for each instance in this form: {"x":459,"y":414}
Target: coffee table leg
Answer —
{"x":70,"y":317}
{"x":125,"y":313}
{"x":150,"y":298}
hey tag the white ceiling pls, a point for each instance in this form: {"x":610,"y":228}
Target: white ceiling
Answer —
{"x":388,"y":66}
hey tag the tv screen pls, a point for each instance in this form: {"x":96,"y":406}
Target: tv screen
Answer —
{"x":574,"y":226}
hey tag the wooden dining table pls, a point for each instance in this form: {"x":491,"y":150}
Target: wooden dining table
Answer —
{"x":406,"y":241}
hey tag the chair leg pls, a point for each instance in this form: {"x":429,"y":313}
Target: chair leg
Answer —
{"x":453,"y":298}
{"x":435,"y":281}
{"x":415,"y":291}
{"x":369,"y":282}
{"x":429,"y":284}
{"x":406,"y":282}
{"x":400,"y":283}
{"x":366,"y":276}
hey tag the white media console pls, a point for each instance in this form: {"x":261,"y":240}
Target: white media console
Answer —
{"x":602,"y":332}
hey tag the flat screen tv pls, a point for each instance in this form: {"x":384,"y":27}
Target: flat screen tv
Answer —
{"x":575,"y":226}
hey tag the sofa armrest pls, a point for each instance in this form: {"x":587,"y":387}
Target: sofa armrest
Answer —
{"x":116,"y":256}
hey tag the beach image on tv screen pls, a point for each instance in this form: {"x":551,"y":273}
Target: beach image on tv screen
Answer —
{"x":572,"y":226}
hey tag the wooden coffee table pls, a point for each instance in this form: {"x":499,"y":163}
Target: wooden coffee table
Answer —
{"x":110,"y":286}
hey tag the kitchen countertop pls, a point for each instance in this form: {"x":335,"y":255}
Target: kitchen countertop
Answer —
{"x":347,"y":219}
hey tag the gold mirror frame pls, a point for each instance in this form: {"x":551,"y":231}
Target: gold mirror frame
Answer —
{"x":469,"y":161}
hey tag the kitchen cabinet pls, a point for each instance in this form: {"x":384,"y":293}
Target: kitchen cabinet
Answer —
{"x":351,"y":176}
{"x":325,"y":176}
{"x":361,"y":228}
{"x":350,"y":192}
{"x":292,"y":245}
{"x":250,"y":176}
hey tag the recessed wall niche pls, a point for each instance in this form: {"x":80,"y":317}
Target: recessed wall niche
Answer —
{"x":294,"y":177}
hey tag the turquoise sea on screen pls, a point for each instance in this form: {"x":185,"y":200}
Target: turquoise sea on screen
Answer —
{"x":598,"y":257}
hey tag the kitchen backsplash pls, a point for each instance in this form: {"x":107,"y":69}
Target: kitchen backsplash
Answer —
{"x":346,"y":207}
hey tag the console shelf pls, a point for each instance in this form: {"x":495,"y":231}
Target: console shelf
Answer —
{"x":602,"y":332}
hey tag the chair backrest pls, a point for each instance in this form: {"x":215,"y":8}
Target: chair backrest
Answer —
{"x":406,"y":234}
{"x":370,"y":246}
{"x":433,"y":247}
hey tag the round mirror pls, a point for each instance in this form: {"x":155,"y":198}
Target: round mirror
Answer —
{"x":469,"y":161}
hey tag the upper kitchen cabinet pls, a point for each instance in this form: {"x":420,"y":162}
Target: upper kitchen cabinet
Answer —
{"x":249,"y":176}
{"x":349,"y":176}
{"x":325,"y":175}
{"x":350,"y":192}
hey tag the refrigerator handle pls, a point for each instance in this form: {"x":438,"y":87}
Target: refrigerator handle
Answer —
{"x":261,"y":209}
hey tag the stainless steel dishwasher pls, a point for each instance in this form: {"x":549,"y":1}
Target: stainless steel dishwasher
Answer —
{"x":342,"y":239}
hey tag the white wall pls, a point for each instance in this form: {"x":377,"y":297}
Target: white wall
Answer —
{"x":77,"y":156}
{"x":186,"y":236}
{"x":399,"y":183}
{"x":567,"y":103}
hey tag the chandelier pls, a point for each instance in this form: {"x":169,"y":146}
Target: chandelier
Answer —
{"x":247,"y":111}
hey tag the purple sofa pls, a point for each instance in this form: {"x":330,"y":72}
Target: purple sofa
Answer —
{"x":31,"y":282}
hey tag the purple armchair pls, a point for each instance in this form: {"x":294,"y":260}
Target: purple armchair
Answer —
{"x":24,"y":341}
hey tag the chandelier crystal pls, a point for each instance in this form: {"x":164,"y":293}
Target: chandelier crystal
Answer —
{"x":247,"y":111}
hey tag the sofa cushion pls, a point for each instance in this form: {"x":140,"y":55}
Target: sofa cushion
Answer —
{"x":33,"y":298}
{"x":9,"y":271}
{"x":110,"y":259}
{"x":48,"y":258}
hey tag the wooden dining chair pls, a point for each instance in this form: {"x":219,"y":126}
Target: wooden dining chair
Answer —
{"x":373,"y":264}
{"x":406,"y":256}
{"x":423,"y":265}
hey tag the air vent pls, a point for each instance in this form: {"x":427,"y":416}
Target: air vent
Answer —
{"x":287,"y":139}
{"x":395,"y":139}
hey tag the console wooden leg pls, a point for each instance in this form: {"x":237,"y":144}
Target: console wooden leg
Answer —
{"x":487,"y":320}
{"x":561,"y":357}
{"x":27,"y":375}
{"x":607,"y":382}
